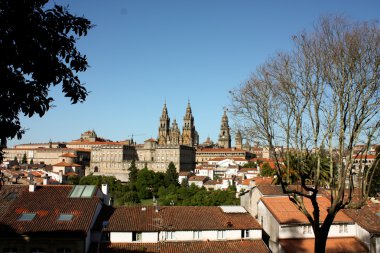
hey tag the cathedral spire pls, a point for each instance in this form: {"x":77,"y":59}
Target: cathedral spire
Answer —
{"x":163,"y":130}
{"x":189,"y":135}
{"x":224,"y":140}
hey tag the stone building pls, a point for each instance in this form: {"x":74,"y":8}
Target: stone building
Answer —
{"x":224,"y":140}
{"x":48,"y":155}
{"x":172,"y":135}
{"x":114,"y":158}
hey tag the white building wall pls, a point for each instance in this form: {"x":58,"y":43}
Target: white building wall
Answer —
{"x":183,"y":235}
{"x":363,"y":235}
{"x":120,"y":237}
{"x":149,"y":237}
{"x":305,"y":231}
{"x":270,"y":226}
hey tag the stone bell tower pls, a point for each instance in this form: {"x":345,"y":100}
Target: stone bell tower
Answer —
{"x":224,"y":140}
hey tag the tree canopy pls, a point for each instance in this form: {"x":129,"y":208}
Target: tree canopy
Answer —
{"x":38,"y":50}
{"x":322,"y":97}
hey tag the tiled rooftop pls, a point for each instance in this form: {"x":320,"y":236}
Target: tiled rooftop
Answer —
{"x":285,"y":212}
{"x":268,"y":189}
{"x":344,"y":244}
{"x":47,"y":203}
{"x":178,"y":218}
{"x":236,"y":246}
{"x":368,"y":217}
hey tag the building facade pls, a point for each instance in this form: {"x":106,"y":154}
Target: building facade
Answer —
{"x":171,"y":135}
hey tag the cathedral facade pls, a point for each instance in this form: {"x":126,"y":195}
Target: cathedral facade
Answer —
{"x":171,"y":134}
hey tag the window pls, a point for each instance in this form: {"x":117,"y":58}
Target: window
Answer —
{"x":245,"y":234}
{"x":197,"y":234}
{"x":26,"y":216}
{"x":306,"y":230}
{"x":169,"y":235}
{"x":65,"y":217}
{"x":343,"y":228}
{"x":220,"y":234}
{"x":10,"y":250}
{"x":136,"y":236}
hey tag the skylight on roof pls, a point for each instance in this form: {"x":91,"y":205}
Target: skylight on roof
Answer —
{"x":65,"y":217}
{"x":26,"y":216}
{"x":233,"y":209}
{"x":82,"y":191}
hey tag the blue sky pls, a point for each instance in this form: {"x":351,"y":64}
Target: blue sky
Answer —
{"x":145,"y":52}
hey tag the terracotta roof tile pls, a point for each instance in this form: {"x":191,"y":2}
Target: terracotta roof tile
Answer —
{"x":285,"y":212}
{"x":343,"y":244}
{"x":220,"y":150}
{"x":268,"y":190}
{"x":198,"y":178}
{"x":178,"y":218}
{"x":237,"y":246}
{"x":65,"y":164}
{"x":368,"y":217}
{"x":48,"y":202}
{"x":70,"y":155}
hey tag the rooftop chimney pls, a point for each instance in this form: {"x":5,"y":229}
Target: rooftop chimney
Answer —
{"x":105,"y":189}
{"x":32,"y":187}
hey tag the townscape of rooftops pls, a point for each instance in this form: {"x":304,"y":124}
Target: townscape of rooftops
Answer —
{"x":37,"y":203}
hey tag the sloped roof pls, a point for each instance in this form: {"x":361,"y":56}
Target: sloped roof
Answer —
{"x":47,"y":203}
{"x":237,"y":246}
{"x":285,"y":212}
{"x":368,"y":217}
{"x":70,"y":155}
{"x":198,"y":178}
{"x":267,"y":189}
{"x":342,"y":244}
{"x":174,"y":218}
{"x":65,"y":164}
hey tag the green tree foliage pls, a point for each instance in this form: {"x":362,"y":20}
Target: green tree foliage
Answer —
{"x":31,"y":161}
{"x":37,"y":49}
{"x":23,"y":161}
{"x":266,"y":170}
{"x":150,"y":183}
{"x":250,"y":165}
{"x":133,"y":171}
{"x":171,"y":175}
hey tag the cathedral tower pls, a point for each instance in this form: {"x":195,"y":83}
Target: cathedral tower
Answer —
{"x":175,"y":134}
{"x":163,"y":130}
{"x":189,"y":135}
{"x":238,"y":140}
{"x":224,"y":140}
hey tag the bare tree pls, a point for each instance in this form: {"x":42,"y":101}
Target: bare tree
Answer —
{"x":322,"y":98}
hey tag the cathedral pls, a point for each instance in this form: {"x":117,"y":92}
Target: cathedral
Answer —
{"x":171,"y":135}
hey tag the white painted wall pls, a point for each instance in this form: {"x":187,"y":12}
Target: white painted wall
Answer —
{"x":120,"y":237}
{"x":149,"y":237}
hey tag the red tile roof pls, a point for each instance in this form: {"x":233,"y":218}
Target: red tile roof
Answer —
{"x":237,"y":246}
{"x":70,"y":155}
{"x":268,"y":190}
{"x":65,"y":164}
{"x":343,"y":244}
{"x":368,"y":217}
{"x":198,"y":178}
{"x":285,"y":212}
{"x":220,"y":150}
{"x":176,"y":218}
{"x":48,"y":202}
